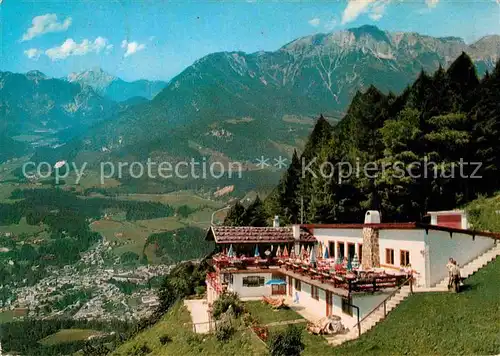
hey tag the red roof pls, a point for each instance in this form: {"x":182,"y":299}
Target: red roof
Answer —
{"x":250,"y":234}
{"x":402,"y":226}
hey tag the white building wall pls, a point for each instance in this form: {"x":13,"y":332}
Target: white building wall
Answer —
{"x":366,"y":303}
{"x":250,"y":292}
{"x":461,"y":247}
{"x":313,"y":306}
{"x":412,"y":241}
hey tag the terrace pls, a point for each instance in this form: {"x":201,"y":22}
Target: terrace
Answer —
{"x":313,"y":266}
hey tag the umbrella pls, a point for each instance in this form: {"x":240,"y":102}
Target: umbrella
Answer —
{"x":308,"y":250}
{"x":276,"y":282}
{"x":312,"y":254}
{"x":355,"y":261}
{"x":285,"y":252}
{"x":302,"y":252}
{"x":256,"y":253}
{"x":278,"y":251}
{"x":326,"y":255}
{"x":230,"y":253}
{"x":349,"y":265}
{"x":318,"y":251}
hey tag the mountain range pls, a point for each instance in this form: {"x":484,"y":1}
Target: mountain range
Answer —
{"x":239,"y":106}
{"x":243,"y":105}
{"x":41,"y":108}
{"x":115,"y":88}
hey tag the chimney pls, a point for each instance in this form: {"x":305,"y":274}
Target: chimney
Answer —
{"x":372,"y":217}
{"x":276,"y":221}
{"x":296,"y":232}
{"x":371,"y":247}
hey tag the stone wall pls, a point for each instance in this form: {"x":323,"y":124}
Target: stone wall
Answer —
{"x":371,"y":248}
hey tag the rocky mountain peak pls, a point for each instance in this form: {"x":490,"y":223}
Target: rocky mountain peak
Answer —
{"x":35,"y":75}
{"x":95,"y":77}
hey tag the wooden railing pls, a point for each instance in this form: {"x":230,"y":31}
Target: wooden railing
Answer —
{"x":383,"y":304}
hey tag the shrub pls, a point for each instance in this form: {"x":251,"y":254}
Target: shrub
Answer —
{"x":286,"y":343}
{"x":165,"y":339}
{"x":226,"y":300}
{"x":200,"y":290}
{"x":248,"y":319}
{"x":224,"y":330}
{"x":139,"y":350}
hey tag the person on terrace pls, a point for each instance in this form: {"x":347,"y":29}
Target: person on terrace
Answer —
{"x":449,"y":267}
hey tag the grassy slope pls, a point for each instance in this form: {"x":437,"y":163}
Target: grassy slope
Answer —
{"x":441,"y":323}
{"x":467,"y":323}
{"x":264,"y":314}
{"x":176,"y":324}
{"x":69,"y":335}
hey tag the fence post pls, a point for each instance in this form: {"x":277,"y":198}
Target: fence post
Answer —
{"x":385,"y":308}
{"x":411,"y":285}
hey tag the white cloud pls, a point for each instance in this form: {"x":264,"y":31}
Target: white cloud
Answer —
{"x":374,"y":8}
{"x":72,"y":48}
{"x":33,"y":53}
{"x":330,"y":25}
{"x":432,"y":3}
{"x":152,"y":38}
{"x":132,"y":47}
{"x":355,"y":8}
{"x":44,"y":24}
{"x":378,"y":10}
{"x":314,"y":22}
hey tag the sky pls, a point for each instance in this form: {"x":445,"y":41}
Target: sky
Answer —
{"x":158,"y":39}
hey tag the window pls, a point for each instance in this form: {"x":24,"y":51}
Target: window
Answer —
{"x":278,"y":290}
{"x":340,"y":250}
{"x":331,"y":249}
{"x":351,"y":251}
{"x":360,"y":248}
{"x":253,"y":281}
{"x":228,"y":278}
{"x":297,"y":285}
{"x":346,"y":306}
{"x":389,"y":256}
{"x":315,"y":292}
{"x":404,"y":257}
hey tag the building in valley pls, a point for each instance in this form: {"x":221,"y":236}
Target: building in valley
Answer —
{"x":337,"y":269}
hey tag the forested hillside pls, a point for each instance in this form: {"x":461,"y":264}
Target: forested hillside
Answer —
{"x":441,"y":120}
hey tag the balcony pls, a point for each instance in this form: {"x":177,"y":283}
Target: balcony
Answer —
{"x":326,"y":273}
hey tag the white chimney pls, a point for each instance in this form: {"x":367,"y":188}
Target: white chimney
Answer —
{"x":372,"y":217}
{"x":276,"y":221}
{"x":296,"y":232}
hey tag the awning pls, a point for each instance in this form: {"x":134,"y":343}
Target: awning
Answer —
{"x":276,"y":282}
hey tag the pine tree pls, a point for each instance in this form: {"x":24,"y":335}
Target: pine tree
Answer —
{"x":235,"y":215}
{"x":320,"y":136}
{"x":288,"y":192}
{"x":486,"y":116}
{"x":397,"y":189}
{"x":255,"y":214}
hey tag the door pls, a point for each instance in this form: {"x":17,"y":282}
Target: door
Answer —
{"x":290,"y":286}
{"x":278,"y":289}
{"x":328,"y":303}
